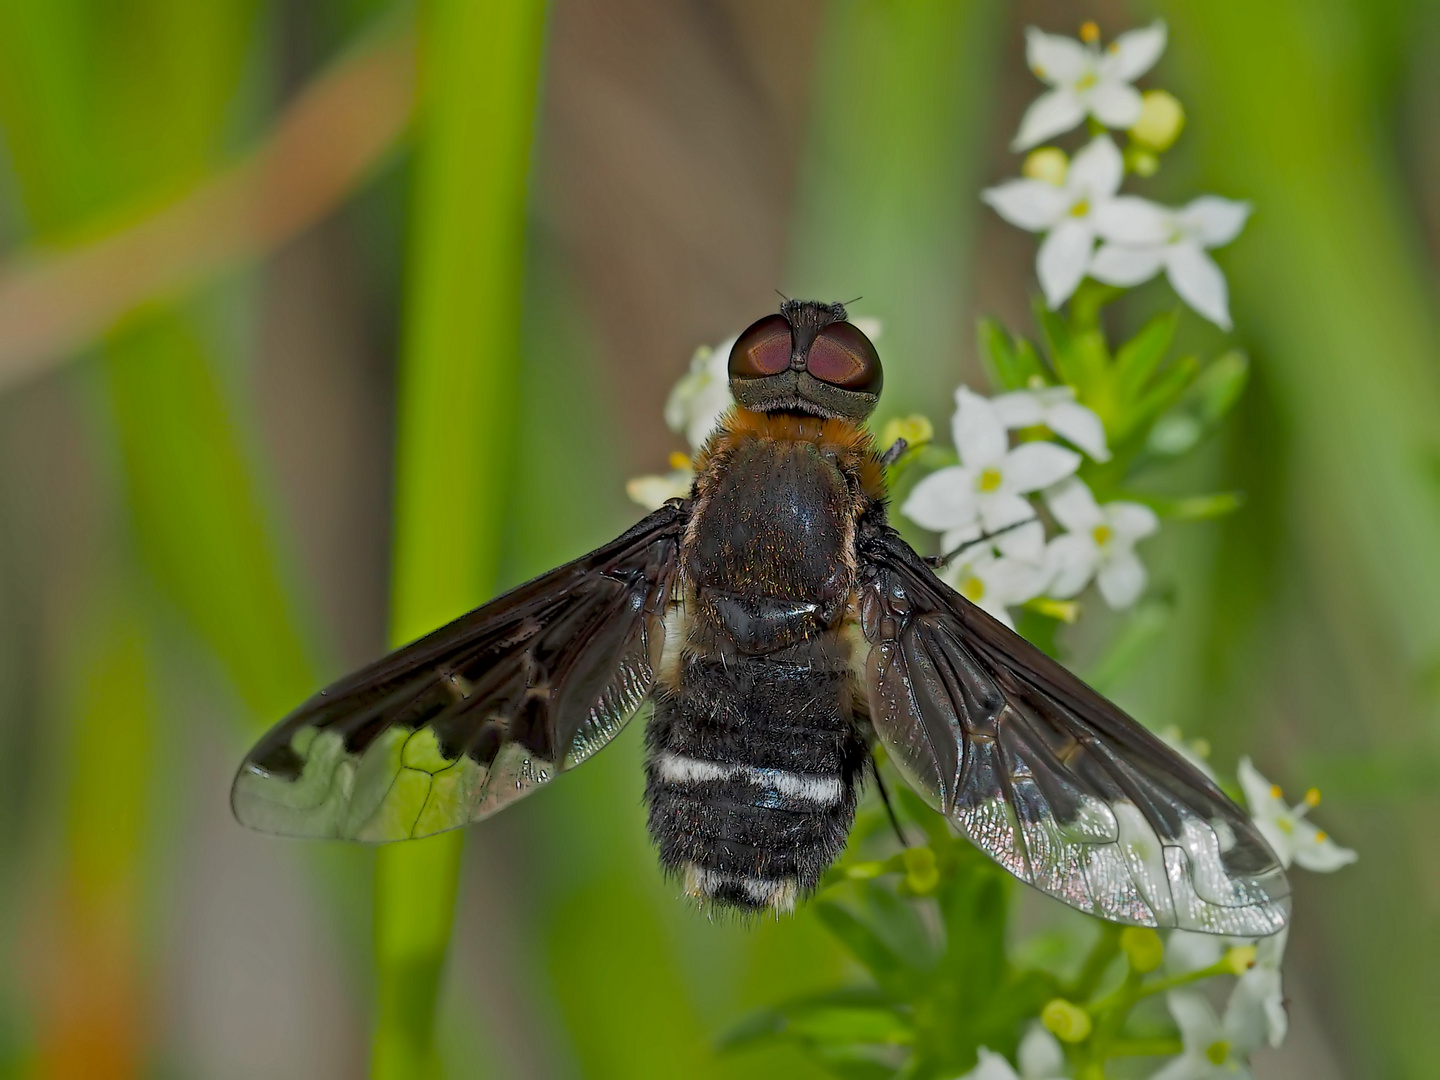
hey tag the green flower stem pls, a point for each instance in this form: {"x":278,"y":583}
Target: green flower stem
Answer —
{"x":479,"y":68}
{"x":1106,"y":948}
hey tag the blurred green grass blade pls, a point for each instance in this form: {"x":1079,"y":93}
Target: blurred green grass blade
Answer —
{"x":889,"y":185}
{"x":1332,"y":286}
{"x":196,"y":510}
{"x":458,"y":412}
{"x":92,"y":1000}
{"x":458,"y":377}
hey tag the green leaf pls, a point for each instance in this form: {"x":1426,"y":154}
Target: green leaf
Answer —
{"x":863,"y":942}
{"x":1166,"y":389}
{"x":1011,"y":364}
{"x":842,"y":1024}
{"x":1202,"y":407}
{"x":1137,"y":360}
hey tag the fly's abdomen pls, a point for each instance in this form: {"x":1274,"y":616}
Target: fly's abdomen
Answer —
{"x":752,"y":774}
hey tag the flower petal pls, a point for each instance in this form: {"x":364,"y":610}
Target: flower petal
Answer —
{"x":957,"y":538}
{"x":1197,"y":1022}
{"x":1056,"y":58}
{"x":1212,"y":220}
{"x":1316,"y":851}
{"x":1071,"y":560}
{"x":943,"y":500}
{"x":1190,"y":950}
{"x":1115,"y":104}
{"x":1121,"y":579}
{"x":1260,"y":797}
{"x":1019,"y":408}
{"x":1081,"y":426}
{"x":990,"y":1066}
{"x":1026,"y":543}
{"x":1074,"y":506}
{"x":1051,"y":114}
{"x":1255,"y":1013}
{"x":651,"y":492}
{"x":1002,"y":509}
{"x":1096,"y":170}
{"x":978,"y":430}
{"x":1040,"y":1054}
{"x":1115,"y":264}
{"x":1131,"y":521}
{"x":1034,"y":205}
{"x":1063,"y":259}
{"x":1013,"y":582}
{"x":1131,"y":220}
{"x":1035,"y":465}
{"x":1197,"y":279}
{"x":1134,"y":52}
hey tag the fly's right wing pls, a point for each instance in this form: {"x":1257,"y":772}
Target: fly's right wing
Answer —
{"x":457,"y":725}
{"x":1047,"y":777}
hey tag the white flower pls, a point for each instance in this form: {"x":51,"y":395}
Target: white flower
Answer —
{"x":997,"y":574}
{"x":702,"y":395}
{"x":1258,"y":992}
{"x":1100,"y":541}
{"x":989,"y":485}
{"x":1039,"y":1055}
{"x":1143,"y":238}
{"x":1067,"y":214}
{"x":1291,"y":837}
{"x":1214,"y":1049}
{"x":1086,"y":81}
{"x":1057,"y":409}
{"x":652,"y":492}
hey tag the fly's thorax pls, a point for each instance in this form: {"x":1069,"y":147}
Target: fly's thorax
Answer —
{"x":769,"y":558}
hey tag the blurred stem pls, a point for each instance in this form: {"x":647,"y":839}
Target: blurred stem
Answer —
{"x":900,"y":110}
{"x":1335,"y":290}
{"x":479,"y":67}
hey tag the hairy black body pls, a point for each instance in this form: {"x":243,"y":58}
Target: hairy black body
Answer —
{"x":754,"y":753}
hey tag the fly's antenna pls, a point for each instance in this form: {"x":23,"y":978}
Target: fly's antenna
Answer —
{"x":782,"y":296}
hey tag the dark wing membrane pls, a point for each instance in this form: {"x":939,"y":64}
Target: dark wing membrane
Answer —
{"x":455,"y":726}
{"x":1046,"y":776}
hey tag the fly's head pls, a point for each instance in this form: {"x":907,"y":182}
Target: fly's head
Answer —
{"x":807,"y":359}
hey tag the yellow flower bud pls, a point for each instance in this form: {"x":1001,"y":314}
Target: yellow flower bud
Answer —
{"x":864,"y":871}
{"x":1047,"y":163}
{"x":1162,"y":118}
{"x":921,"y":873}
{"x":1066,"y":1021}
{"x":1143,"y":948}
{"x":1239,"y":959}
{"x":915,"y":429}
{"x":1066,"y":611}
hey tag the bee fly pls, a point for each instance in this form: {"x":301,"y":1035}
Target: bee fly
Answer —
{"x":780,"y":627}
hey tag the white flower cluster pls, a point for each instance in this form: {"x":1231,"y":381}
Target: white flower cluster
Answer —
{"x":984,"y":511}
{"x":1214,"y":1046}
{"x":1075,"y":203}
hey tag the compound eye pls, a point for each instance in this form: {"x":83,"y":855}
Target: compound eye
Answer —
{"x":842,"y":356}
{"x":763,"y":349}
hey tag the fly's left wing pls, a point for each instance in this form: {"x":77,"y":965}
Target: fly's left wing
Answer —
{"x":1043,"y":774}
{"x":457,"y":725}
